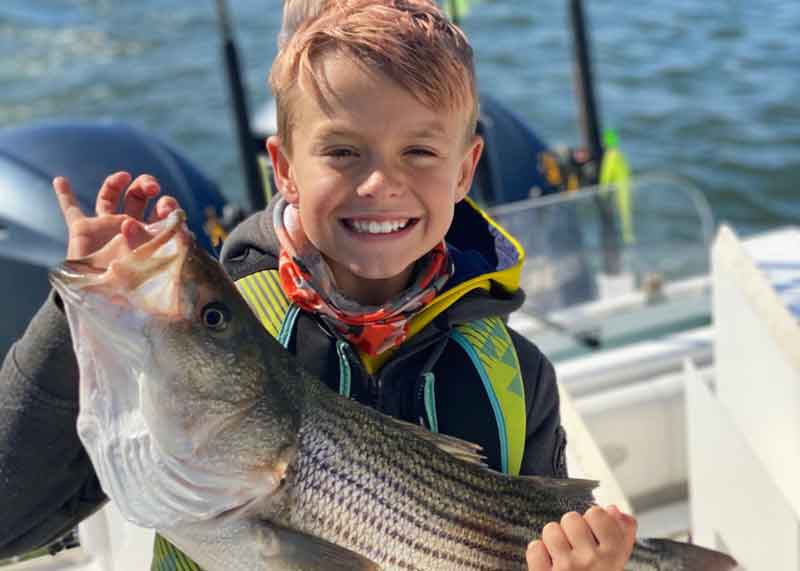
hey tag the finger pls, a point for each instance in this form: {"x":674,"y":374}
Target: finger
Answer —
{"x":87,"y":235}
{"x":537,"y":557}
{"x":100,"y":230}
{"x":138,"y":194}
{"x":164,"y":206}
{"x":110,"y":191}
{"x":556,"y":541}
{"x":605,"y":527}
{"x":627,"y":522}
{"x":67,"y":201}
{"x":135,"y":233}
{"x":578,"y":532}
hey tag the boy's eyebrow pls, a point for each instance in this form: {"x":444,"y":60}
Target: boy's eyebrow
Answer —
{"x":427,"y":130}
{"x":329,"y":131}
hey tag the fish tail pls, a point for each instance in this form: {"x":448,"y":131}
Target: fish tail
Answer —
{"x":678,"y":556}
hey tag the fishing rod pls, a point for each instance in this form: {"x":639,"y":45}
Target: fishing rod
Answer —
{"x":587,"y":102}
{"x":452,"y":6}
{"x":592,"y":139}
{"x":247,"y":151}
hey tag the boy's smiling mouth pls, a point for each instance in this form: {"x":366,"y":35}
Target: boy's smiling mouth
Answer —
{"x":371,"y":226}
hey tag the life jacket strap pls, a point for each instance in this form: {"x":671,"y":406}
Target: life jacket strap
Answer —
{"x":263,"y":293}
{"x":489,"y":346}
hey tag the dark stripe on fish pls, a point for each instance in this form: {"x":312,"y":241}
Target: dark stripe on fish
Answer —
{"x":382,"y":557}
{"x":516,"y":542}
{"x":473,"y":486}
{"x":474,"y":497}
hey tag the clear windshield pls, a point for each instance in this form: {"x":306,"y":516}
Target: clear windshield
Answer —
{"x":595,"y":251}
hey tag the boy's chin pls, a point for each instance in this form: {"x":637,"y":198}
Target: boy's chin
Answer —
{"x":382,"y":269}
{"x":377,"y":273}
{"x":373,"y":284}
{"x":378,"y":268}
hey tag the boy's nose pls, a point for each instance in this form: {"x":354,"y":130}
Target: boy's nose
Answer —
{"x":379,"y":183}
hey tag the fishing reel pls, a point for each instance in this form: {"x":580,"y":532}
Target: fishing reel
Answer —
{"x":568,"y":169}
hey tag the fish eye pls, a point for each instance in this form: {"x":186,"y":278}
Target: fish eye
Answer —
{"x":216,"y":316}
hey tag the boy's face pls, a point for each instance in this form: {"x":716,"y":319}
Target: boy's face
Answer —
{"x":375,"y":174}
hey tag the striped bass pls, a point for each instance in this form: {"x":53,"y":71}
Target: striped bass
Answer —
{"x":201,"y":426}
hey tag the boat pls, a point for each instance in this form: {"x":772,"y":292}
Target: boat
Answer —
{"x":623,"y":297}
{"x":641,"y":367}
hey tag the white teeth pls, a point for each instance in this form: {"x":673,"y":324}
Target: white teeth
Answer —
{"x":375,"y":227}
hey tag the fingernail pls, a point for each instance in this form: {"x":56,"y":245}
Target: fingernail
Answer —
{"x":614,"y":511}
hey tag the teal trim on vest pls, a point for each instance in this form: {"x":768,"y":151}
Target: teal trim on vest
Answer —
{"x":344,"y":369}
{"x":459,"y":338}
{"x":430,"y":402}
{"x":287,"y":326}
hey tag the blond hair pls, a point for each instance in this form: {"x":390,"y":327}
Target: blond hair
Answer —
{"x":295,"y":13}
{"x":410,"y":41}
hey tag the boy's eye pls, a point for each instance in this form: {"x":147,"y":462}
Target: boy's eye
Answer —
{"x":421,"y":151}
{"x":340,"y":153}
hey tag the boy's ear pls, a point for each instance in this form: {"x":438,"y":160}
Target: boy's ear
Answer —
{"x":468,"y":165}
{"x":282,"y":169}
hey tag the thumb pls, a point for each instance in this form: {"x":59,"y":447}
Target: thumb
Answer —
{"x":135,"y":233}
{"x":164,"y":206}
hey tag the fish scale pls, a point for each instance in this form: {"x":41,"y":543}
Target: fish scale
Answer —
{"x":434,"y":513}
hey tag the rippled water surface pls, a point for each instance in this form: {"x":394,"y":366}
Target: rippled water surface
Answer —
{"x":709,"y":90}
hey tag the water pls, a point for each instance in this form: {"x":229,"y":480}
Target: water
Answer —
{"x":709,"y":90}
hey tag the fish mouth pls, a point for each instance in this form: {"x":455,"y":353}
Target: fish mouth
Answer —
{"x":116,"y":272}
{"x":72,"y":276}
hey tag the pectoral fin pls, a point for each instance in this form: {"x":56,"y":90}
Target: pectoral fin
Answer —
{"x":288,"y":550}
{"x":252,"y":544}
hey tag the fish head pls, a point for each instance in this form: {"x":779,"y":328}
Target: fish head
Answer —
{"x":173,"y":371}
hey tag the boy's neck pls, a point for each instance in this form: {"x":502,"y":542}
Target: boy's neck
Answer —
{"x":366,"y":291}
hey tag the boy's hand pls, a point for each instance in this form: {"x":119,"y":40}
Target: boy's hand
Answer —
{"x":600,"y":540}
{"x":87,"y":234}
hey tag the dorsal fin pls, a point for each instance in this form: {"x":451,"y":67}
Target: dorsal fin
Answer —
{"x":562,"y":484}
{"x":576,"y":493}
{"x":461,"y":449}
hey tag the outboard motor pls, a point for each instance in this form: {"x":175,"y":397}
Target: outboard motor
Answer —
{"x":509,"y":167}
{"x":33,"y":236}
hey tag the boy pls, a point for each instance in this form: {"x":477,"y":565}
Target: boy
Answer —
{"x":375,"y":152}
{"x":376,"y":149}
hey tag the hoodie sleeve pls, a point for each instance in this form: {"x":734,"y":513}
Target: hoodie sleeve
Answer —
{"x":545,"y":442}
{"x":47,"y":482}
{"x":252,"y":246}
